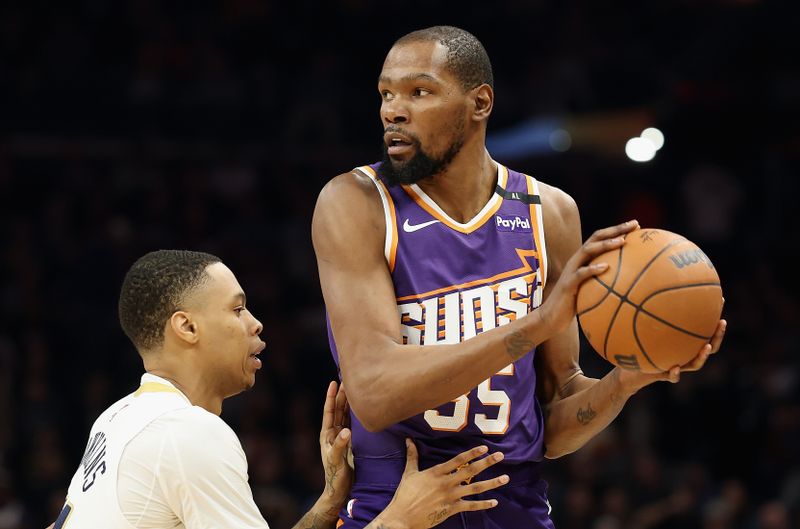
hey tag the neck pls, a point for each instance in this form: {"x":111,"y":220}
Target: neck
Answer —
{"x":190,"y":382}
{"x":467,"y":184}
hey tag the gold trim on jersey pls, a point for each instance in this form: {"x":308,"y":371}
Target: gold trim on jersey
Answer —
{"x":155,"y":387}
{"x":428,"y":204}
{"x":538,"y":231}
{"x":390,"y":244}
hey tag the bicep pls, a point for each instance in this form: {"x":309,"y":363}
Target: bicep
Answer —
{"x":348,"y":233}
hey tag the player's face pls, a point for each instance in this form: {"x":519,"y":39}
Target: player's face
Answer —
{"x":229,"y":334}
{"x":423,"y":110}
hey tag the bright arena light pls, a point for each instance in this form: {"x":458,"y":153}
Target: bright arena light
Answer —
{"x":560,"y":140}
{"x":640,"y":149}
{"x":655,"y":136}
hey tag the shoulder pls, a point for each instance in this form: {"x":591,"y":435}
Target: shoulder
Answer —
{"x":558,"y":207}
{"x":185,"y":423}
{"x":348,"y":204}
{"x":198,"y":437}
{"x":201,"y":471}
{"x":346,"y":187}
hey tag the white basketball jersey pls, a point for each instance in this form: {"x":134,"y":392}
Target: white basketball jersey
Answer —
{"x":92,"y":497}
{"x":154,"y":460}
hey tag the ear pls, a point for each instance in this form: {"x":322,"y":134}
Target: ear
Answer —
{"x":483,"y":97}
{"x":184,"y":327}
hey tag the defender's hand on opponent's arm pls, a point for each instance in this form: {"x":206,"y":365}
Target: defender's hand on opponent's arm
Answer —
{"x":427,"y":498}
{"x":334,"y":440}
{"x":560,"y":307}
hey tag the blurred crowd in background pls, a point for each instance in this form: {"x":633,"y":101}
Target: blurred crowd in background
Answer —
{"x":135,"y":125}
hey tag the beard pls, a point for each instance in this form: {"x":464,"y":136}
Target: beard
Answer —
{"x":420,"y":167}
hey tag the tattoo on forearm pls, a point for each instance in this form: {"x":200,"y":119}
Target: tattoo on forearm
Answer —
{"x":330,"y":475}
{"x":312,"y":521}
{"x":517,"y":345}
{"x":586,"y":416}
{"x":436,"y":517}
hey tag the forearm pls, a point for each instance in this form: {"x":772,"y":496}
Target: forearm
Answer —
{"x":389,"y":384}
{"x":387,"y":522}
{"x":323,"y":515}
{"x":572,"y":421}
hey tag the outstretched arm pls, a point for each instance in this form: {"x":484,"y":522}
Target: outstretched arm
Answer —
{"x":388,"y":381}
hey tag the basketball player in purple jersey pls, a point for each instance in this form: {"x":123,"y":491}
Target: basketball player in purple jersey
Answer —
{"x":441,"y":245}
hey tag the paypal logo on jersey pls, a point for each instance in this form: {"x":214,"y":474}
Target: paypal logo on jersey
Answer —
{"x":514,"y":223}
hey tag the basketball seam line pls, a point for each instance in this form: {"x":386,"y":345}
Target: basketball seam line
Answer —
{"x":608,"y":288}
{"x":633,"y":284}
{"x":639,"y":307}
{"x":665,"y":322}
{"x":641,"y":310}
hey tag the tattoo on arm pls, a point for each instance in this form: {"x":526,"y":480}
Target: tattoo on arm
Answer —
{"x":517,"y":345}
{"x":319,"y":520}
{"x":313,"y":521}
{"x":586,"y":416}
{"x":330,"y":475}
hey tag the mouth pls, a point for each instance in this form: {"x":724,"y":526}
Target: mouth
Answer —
{"x":254,"y":355}
{"x":397,"y":143}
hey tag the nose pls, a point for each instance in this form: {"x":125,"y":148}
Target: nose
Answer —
{"x":258,"y":326}
{"x":394,"y":112}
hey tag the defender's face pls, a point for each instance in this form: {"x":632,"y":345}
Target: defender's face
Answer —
{"x":423,"y":106}
{"x":228,"y":332}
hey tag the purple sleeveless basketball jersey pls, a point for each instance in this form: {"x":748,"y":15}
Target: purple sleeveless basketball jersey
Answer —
{"x":453,"y":281}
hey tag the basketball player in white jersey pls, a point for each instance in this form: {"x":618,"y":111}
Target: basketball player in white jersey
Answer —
{"x":161,"y":457}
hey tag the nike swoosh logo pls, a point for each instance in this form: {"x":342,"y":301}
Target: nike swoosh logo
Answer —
{"x":411,"y":228}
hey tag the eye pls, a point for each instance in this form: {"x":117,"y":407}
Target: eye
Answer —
{"x":421,"y":92}
{"x":238,"y":310}
{"x":386,"y":95}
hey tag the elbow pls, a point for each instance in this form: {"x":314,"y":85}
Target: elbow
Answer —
{"x":555,"y":448}
{"x":374,"y":424}
{"x":371,"y":408}
{"x":371,"y":416}
{"x":556,"y":452}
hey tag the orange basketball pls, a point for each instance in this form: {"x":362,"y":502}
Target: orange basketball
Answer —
{"x":657,"y":304}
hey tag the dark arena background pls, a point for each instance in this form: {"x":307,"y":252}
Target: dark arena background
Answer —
{"x":129,"y":126}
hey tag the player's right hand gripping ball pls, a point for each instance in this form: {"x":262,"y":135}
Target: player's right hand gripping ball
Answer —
{"x":657,"y":304}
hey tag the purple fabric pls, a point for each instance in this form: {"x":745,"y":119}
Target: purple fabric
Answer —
{"x":435,"y":258}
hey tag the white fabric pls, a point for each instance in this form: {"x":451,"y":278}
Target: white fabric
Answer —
{"x":164,"y":464}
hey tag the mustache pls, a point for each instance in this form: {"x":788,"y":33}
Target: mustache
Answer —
{"x":400,"y":130}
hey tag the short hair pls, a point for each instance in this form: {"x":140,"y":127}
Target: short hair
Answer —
{"x":466,"y":57}
{"x":155,"y":287}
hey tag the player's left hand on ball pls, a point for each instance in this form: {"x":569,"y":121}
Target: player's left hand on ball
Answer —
{"x":707,"y":350}
{"x":334,"y":442}
{"x":635,"y":380}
